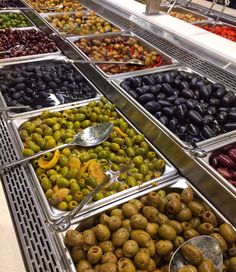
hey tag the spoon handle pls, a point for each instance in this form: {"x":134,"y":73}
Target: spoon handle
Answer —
{"x":64,"y":222}
{"x":13,"y":163}
{"x":172,"y":6}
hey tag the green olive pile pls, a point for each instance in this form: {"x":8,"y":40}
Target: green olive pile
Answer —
{"x":142,"y":234}
{"x":66,"y":183}
{"x":11,"y":20}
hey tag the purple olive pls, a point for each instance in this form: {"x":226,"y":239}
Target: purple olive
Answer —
{"x":195,"y":117}
{"x":145,"y":98}
{"x":152,"y":106}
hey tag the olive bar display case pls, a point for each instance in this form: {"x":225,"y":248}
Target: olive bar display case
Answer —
{"x":39,"y":243}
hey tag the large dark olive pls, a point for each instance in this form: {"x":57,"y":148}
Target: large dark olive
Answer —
{"x":193,"y":129}
{"x":217,"y":129}
{"x":181,"y":111}
{"x":207,"y":132}
{"x":164,"y":120}
{"x":142,"y":90}
{"x":164,"y":103}
{"x":195,"y":117}
{"x":230,"y":126}
{"x":193,"y":81}
{"x":214,"y":102}
{"x":168,"y":111}
{"x":216,"y":86}
{"x":184,"y":85}
{"x":181,"y":130}
{"x":172,"y":98}
{"x":173,"y":124}
{"x":228,"y":99}
{"x":199,"y":84}
{"x":184,"y":75}
{"x":124,"y":85}
{"x":20,"y":86}
{"x":155,"y":89}
{"x":177,"y":82}
{"x":199,"y":108}
{"x":152,"y":106}
{"x":168,"y":78}
{"x":204,"y":92}
{"x":187,"y":93}
{"x":208,"y":119}
{"x":148,"y":80}
{"x":190,"y":104}
{"x":167,"y":89}
{"x":158,"y":78}
{"x":231,"y":116}
{"x":133,"y":94}
{"x":211,"y":110}
{"x":145,"y":98}
{"x":180,"y":100}
{"x":220,"y":92}
{"x":136,"y":82}
{"x":160,"y":96}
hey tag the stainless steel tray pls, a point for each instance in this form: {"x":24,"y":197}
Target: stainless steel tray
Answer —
{"x":35,"y":112}
{"x":23,"y":58}
{"x":85,"y":12}
{"x":53,"y":213}
{"x":150,"y":47}
{"x":31,"y":24}
{"x":88,"y":220}
{"x":209,"y":149}
{"x":183,"y":144}
{"x":204,"y":18}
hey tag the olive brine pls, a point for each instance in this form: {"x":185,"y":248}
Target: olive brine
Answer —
{"x":142,"y":235}
{"x":190,"y":105}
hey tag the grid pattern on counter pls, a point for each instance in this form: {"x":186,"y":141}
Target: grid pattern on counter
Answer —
{"x":29,"y":221}
{"x":169,"y":48}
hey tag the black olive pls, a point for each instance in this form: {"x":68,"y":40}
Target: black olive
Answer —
{"x":167,"y":89}
{"x":155,"y":89}
{"x":199,"y":84}
{"x":230,"y":126}
{"x":231,"y":116}
{"x":164,"y":120}
{"x":214,"y":102}
{"x":195,"y":117}
{"x":152,"y":106}
{"x":136,"y":82}
{"x":211,"y":110}
{"x":20,"y":86}
{"x":190,"y":104}
{"x":164,"y":103}
{"x":158,"y":78}
{"x":125,"y":86}
{"x":193,"y":81}
{"x":47,"y":78}
{"x":181,"y":111}
{"x":200,"y":108}
{"x":160,"y":96}
{"x":217,"y":129}
{"x":223,"y":109}
{"x":173,"y":124}
{"x":184,"y":85}
{"x":187,"y":93}
{"x":133,"y":94}
{"x":168,"y":111}
{"x":193,"y":129}
{"x":222,"y":115}
{"x":177,"y":82}
{"x":180,"y":100}
{"x":168,"y":78}
{"x":16,"y":95}
{"x":158,"y":114}
{"x":53,"y":85}
{"x":207,"y":132}
{"x":232,"y":109}
{"x":148,"y":80}
{"x":172,"y":98}
{"x":208,"y":119}
{"x":216,"y":86}
{"x":220,"y":92}
{"x":19,"y":80}
{"x":228,"y":99}
{"x":204,"y":92}
{"x":184,"y":75}
{"x":145,"y":98}
{"x":142,"y":90}
{"x":181,"y":130}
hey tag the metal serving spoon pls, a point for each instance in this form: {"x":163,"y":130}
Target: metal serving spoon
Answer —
{"x":210,"y":249}
{"x":129,"y":62}
{"x":90,"y":136}
{"x":17,"y":48}
{"x":64,"y":222}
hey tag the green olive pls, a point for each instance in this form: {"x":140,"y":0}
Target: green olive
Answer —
{"x":227,"y":232}
{"x":167,"y":232}
{"x":83,"y":265}
{"x":196,"y":208}
{"x":111,"y":267}
{"x":220,"y":240}
{"x":74,"y":238}
{"x":151,"y":213}
{"x":109,"y":257}
{"x":188,"y":268}
{"x":153,"y":199}
{"x":138,"y":221}
{"x":184,"y":215}
{"x":94,"y":254}
{"x":89,"y":239}
{"x":114,"y":223}
{"x":192,"y":254}
{"x":187,"y":195}
{"x":120,"y":237}
{"x":206,"y":266}
{"x":141,"y":260}
{"x":163,"y":247}
{"x":232,"y":264}
{"x":152,"y":229}
{"x":130,"y":248}
{"x":205,"y":228}
{"x":106,"y":246}
{"x":173,"y":206}
{"x":128,"y":210}
{"x":141,"y":237}
{"x":190,"y":233}
{"x":102,"y":233}
{"x":77,"y":254}
{"x":179,"y":240}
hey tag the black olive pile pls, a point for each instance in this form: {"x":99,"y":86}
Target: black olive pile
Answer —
{"x":188,"y":104}
{"x":43,"y":85}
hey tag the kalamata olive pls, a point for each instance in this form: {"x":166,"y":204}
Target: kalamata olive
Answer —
{"x":207,"y":132}
{"x":213,"y":161}
{"x":199,"y":108}
{"x":158,"y":114}
{"x":230,"y":126}
{"x":168,"y":111}
{"x":145,"y":98}
{"x":172,"y":98}
{"x":124,"y":85}
{"x":224,"y":172}
{"x":195,"y":117}
{"x":160,"y":96}
{"x":214,"y":102}
{"x":173,"y":124}
{"x":148,"y":80}
{"x":168,"y":78}
{"x":231,"y":116}
{"x":232,"y":154}
{"x":180,"y":100}
{"x":225,"y":161}
{"x":199,"y":84}
{"x":167,"y":89}
{"x":181,"y":111}
{"x":204,"y":92}
{"x":184,"y":75}
{"x":133,"y":94}
{"x":193,"y":81}
{"x":177,"y":82}
{"x":193,"y":129}
{"x":228,"y":99}
{"x":211,"y":110}
{"x":164,"y":103}
{"x":155,"y":89}
{"x":164,"y":120}
{"x":187,"y":93}
{"x":136,"y":82}
{"x":152,"y":106}
{"x":220,"y":92}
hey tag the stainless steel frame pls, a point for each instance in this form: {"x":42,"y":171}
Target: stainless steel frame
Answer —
{"x":183,"y":144}
{"x":73,"y":39}
{"x":60,"y":106}
{"x":88,"y":220}
{"x":53,"y":213}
